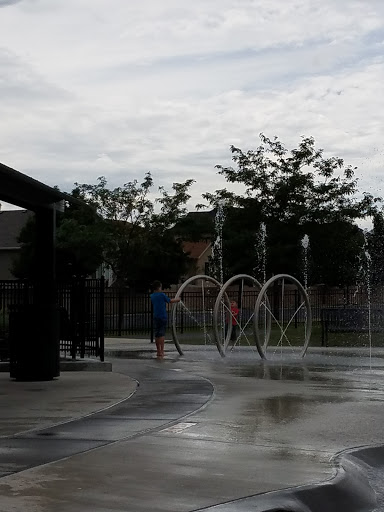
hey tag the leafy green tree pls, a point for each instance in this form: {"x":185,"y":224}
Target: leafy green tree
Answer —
{"x":140,"y":245}
{"x":23,"y":265}
{"x":80,"y":239}
{"x":295,"y":192}
{"x":335,"y":252}
{"x":195,"y":226}
{"x":376,"y":248}
{"x":80,"y":242}
{"x":125,"y":228}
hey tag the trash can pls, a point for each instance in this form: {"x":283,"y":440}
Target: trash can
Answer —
{"x":34,"y":342}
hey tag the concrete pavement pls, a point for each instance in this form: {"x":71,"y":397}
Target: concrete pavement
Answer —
{"x":36,"y":405}
{"x":199,"y":431}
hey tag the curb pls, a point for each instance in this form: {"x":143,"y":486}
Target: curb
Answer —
{"x":351,"y":489}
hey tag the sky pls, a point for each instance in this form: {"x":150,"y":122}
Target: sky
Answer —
{"x":119,"y":88}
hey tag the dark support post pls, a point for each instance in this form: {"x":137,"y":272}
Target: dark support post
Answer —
{"x":45,"y":257}
{"x":34,"y":328}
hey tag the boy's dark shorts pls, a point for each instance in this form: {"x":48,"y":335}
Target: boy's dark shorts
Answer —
{"x":160,"y":327}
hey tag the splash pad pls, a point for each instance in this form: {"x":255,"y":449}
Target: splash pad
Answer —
{"x":271,"y":319}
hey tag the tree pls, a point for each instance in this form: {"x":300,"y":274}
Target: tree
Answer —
{"x":335,"y":252}
{"x":196,"y":226}
{"x":140,"y":245}
{"x":295,"y":192}
{"x":376,"y":248}
{"x":122,"y":227}
{"x":23,"y":266}
{"x":80,"y":240}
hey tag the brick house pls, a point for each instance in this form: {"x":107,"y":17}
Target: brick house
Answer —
{"x":199,"y":253}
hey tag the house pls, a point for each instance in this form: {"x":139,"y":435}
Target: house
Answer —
{"x":199,"y":253}
{"x":11,"y":223}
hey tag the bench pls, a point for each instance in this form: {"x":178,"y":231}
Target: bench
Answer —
{"x":350,"y":319}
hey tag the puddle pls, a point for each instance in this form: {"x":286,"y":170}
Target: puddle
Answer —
{"x":287,"y":408}
{"x":269,"y":372}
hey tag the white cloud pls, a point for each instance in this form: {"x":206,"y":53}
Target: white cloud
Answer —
{"x":90,"y":89}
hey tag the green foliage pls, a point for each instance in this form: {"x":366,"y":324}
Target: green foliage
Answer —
{"x":139,"y":244}
{"x":195,"y":226}
{"x":239,"y":242}
{"x":335,"y":252}
{"x":301,"y":185}
{"x":294,"y":193}
{"x":80,"y":239}
{"x":23,"y":266}
{"x":376,"y":248}
{"x":120,"y":227}
{"x":80,"y":242}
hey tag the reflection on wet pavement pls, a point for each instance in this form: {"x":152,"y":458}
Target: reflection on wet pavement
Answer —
{"x":294,"y":405}
{"x":302,"y":372}
{"x":286,"y":408}
{"x":263,"y":371}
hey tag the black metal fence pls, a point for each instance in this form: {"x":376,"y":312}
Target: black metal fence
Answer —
{"x":81,"y":306}
{"x":89,"y":310}
{"x":128,"y":314}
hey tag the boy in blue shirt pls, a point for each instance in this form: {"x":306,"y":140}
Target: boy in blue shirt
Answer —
{"x":159,"y":301}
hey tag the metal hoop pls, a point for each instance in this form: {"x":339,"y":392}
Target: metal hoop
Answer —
{"x":262,"y":347}
{"x":176,"y":304}
{"x":222,"y":347}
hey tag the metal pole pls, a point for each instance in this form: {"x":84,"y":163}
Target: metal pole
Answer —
{"x":101,"y":319}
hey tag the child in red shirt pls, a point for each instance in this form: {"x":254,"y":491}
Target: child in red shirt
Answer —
{"x":234,"y":315}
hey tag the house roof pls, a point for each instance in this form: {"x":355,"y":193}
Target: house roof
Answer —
{"x":11,"y":223}
{"x":196,"y":249}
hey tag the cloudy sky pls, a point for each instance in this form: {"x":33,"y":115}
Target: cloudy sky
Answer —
{"x":118,"y":87}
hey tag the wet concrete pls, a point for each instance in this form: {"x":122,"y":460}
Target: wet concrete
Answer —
{"x":202,"y":431}
{"x":163,"y":398}
{"x":29,"y":405}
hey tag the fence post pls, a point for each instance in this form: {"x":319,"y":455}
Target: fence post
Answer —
{"x":120,"y":310}
{"x":74,"y":318}
{"x":101,"y":317}
{"x":82,"y":319}
{"x":152,"y":326}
